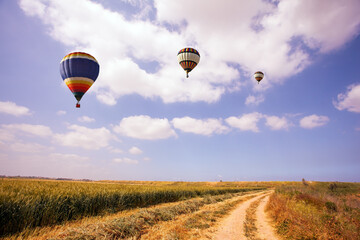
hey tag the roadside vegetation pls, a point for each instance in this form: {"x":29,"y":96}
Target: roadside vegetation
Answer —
{"x":137,"y":225}
{"x":317,"y":210}
{"x":30,"y":203}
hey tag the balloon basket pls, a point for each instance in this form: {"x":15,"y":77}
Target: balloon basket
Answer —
{"x":78,"y":105}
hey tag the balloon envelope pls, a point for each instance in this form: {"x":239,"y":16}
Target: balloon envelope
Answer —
{"x":79,"y":71}
{"x":188,"y":58}
{"x":258,"y":76}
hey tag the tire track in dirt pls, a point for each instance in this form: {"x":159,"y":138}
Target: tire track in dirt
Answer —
{"x":263,"y":224}
{"x":197,"y":225}
{"x":232,"y":227}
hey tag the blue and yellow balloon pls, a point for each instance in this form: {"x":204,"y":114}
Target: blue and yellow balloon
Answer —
{"x":79,"y":71}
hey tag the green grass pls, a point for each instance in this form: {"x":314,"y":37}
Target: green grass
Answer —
{"x":28,"y":203}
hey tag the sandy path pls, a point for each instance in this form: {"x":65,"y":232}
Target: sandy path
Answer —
{"x":265,"y":230}
{"x":177,"y":228}
{"x":232,"y":227}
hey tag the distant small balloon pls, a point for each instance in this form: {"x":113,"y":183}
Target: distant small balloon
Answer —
{"x":188,"y":58}
{"x":258,"y":76}
{"x":79,"y":71}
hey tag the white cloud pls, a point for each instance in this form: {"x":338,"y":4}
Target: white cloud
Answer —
{"x":135,"y":151}
{"x":200,"y":126}
{"x":145,"y":127}
{"x":31,"y":129}
{"x":115,"y":150}
{"x":60,"y":112}
{"x":319,"y":21}
{"x":121,"y":57}
{"x":6,"y":135}
{"x":125,"y":160}
{"x":313,"y":121}
{"x":262,"y":35}
{"x":86,"y":119}
{"x":144,"y":8}
{"x":254,"y":100}
{"x":13,"y":109}
{"x":133,"y":2}
{"x":350,"y":100}
{"x":28,"y":147}
{"x":277,"y":123}
{"x":106,"y":98}
{"x":83,"y":137}
{"x":64,"y":157}
{"x":247,"y":122}
{"x":33,"y":8}
{"x":251,"y":35}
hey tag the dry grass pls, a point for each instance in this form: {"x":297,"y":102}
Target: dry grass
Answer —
{"x":317,"y":211}
{"x":50,"y":232}
{"x":201,"y":224}
{"x":30,"y":203}
{"x":136,"y":225}
{"x":130,"y":225}
{"x":250,"y":228}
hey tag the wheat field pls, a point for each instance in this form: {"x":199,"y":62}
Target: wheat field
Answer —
{"x":30,"y":203}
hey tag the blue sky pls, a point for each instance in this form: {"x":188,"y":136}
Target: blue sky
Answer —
{"x":144,"y":120}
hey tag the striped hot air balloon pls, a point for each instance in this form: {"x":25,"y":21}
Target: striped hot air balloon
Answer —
{"x":258,"y":76}
{"x":188,"y":58}
{"x":79,"y":71}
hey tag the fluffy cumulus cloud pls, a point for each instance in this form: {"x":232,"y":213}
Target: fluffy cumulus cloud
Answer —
{"x":277,"y":123}
{"x":254,"y":100}
{"x":145,"y":127}
{"x":122,"y":49}
{"x":61,"y":113}
{"x":235,"y":38}
{"x":275,"y":33}
{"x":205,"y":127}
{"x":14,"y":109}
{"x":246,"y":122}
{"x":313,"y":121}
{"x":135,"y":151}
{"x":350,"y":100}
{"x":86,"y":119}
{"x":83,"y":137}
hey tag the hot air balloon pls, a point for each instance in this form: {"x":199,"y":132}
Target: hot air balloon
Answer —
{"x":188,"y":58}
{"x":258,"y":76}
{"x":79,"y":71}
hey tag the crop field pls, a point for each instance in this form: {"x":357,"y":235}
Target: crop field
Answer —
{"x":318,"y":210}
{"x":67,"y":209}
{"x":30,"y":203}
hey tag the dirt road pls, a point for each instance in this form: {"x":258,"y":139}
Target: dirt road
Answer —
{"x":247,"y":221}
